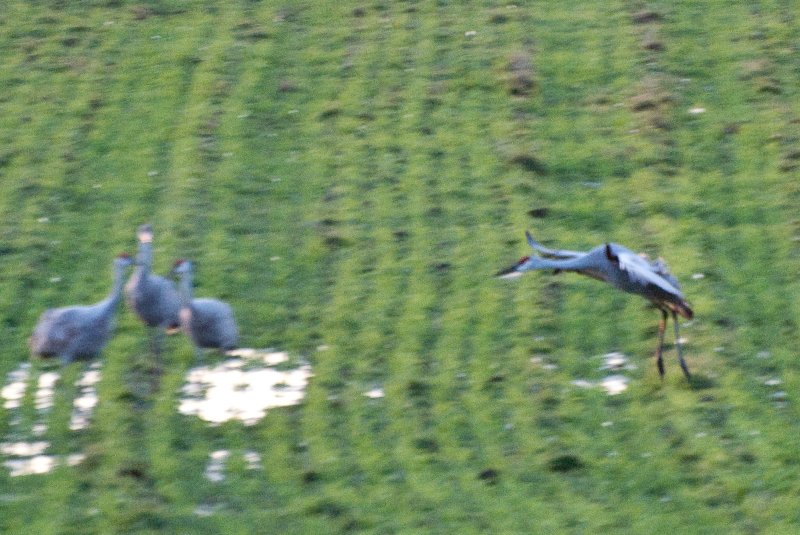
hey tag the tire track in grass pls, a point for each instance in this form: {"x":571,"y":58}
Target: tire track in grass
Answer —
{"x":439,"y":206}
{"x":424,"y":260}
{"x":137,"y":113}
{"x":133,"y":471}
{"x":356,"y":224}
{"x":725,"y":189}
{"x":199,"y":210}
{"x":70,"y":131}
{"x":563,"y":134}
{"x":419,"y":270}
{"x":282,"y":227}
{"x":484,"y":370}
{"x":736,"y":168}
{"x":38,"y":182}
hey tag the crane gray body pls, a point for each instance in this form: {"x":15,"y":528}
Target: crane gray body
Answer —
{"x":209,"y":323}
{"x":153,"y":298}
{"x":79,"y":331}
{"x":623,"y":269}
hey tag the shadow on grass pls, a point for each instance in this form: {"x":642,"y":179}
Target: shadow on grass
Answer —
{"x":701,"y":382}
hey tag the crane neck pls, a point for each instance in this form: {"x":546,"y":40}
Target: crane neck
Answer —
{"x":110,"y":302}
{"x":144,"y":258}
{"x":185,"y":289}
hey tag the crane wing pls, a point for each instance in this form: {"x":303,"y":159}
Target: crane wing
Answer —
{"x":640,"y":270}
{"x":551,"y":253}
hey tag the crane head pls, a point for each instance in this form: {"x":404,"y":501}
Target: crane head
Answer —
{"x":512,"y":271}
{"x":145,"y":233}
{"x":182,"y":266}
{"x":123,"y":260}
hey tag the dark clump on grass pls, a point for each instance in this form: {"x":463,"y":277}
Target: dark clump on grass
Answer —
{"x":141,"y":12}
{"x":400,"y":234}
{"x":334,"y":240}
{"x":790,"y":161}
{"x":426,"y":444}
{"x":418,"y":389}
{"x":250,"y":31}
{"x":310,"y":476}
{"x":769,"y":85}
{"x":287,"y":86}
{"x":651,"y":42}
{"x":328,"y":508}
{"x":539,"y":213}
{"x":731,"y":128}
{"x":489,"y":476}
{"x":70,"y":41}
{"x":521,"y":78}
{"x":329,"y":113}
{"x":646,"y":16}
{"x":565,"y":463}
{"x":499,"y":17}
{"x":650,"y":95}
{"x":134,"y":470}
{"x":529,"y":163}
{"x":441,"y":267}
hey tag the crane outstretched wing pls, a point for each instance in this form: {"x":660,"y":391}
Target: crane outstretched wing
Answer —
{"x":640,"y":270}
{"x":560,"y":254}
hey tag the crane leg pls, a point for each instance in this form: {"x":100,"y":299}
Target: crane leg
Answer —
{"x":678,"y":347}
{"x":662,"y":326}
{"x":156,"y":345}
{"x":156,"y":339}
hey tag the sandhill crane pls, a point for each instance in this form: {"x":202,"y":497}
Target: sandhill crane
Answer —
{"x":623,"y":269}
{"x":209,"y":323}
{"x":79,"y":331}
{"x":153,"y":298}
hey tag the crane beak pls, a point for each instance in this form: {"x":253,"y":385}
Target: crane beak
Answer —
{"x":509,"y":273}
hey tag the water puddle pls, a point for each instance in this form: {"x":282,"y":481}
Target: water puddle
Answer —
{"x":16,"y":385}
{"x":85,"y":403}
{"x":244,"y":387}
{"x":216,"y":465}
{"x":215,"y":470}
{"x":24,"y":450}
{"x":613,"y":384}
{"x":779,"y":397}
{"x":375,"y":393}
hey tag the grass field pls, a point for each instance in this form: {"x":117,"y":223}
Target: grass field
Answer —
{"x":349,"y":176}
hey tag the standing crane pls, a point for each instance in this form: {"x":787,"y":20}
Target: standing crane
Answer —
{"x":626,"y":271}
{"x":79,"y":331}
{"x":209,"y":323}
{"x":153,"y":298}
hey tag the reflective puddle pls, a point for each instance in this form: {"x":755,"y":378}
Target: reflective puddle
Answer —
{"x":24,"y":450}
{"x":613,"y":384}
{"x":215,"y":470}
{"x":244,"y":387}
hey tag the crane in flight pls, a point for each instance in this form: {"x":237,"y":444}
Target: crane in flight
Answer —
{"x":626,"y":271}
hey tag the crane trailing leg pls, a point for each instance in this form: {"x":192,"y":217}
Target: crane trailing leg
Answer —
{"x":684,"y":367}
{"x":662,"y":326}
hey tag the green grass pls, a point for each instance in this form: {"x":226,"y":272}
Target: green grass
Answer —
{"x":350,"y":175}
